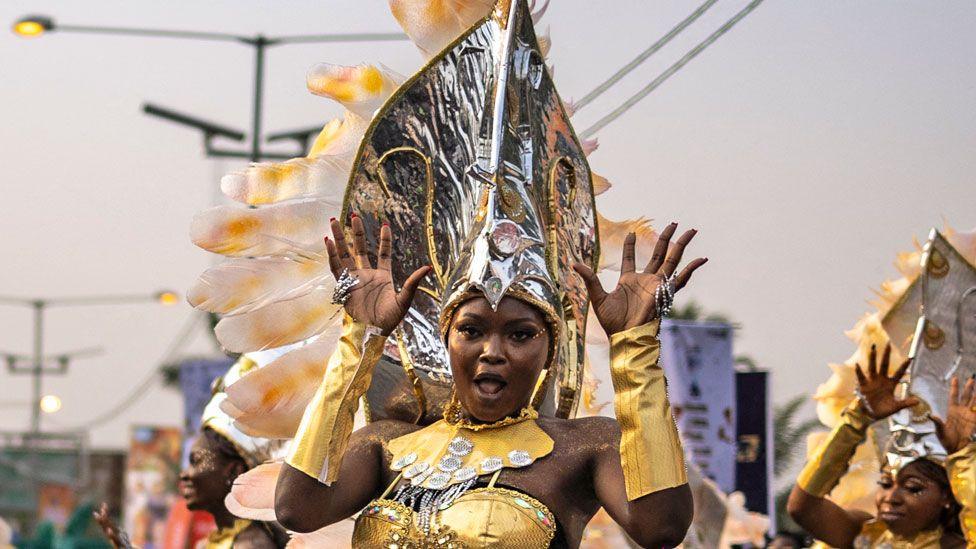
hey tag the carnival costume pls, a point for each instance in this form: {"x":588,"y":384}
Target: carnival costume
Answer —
{"x":474,"y":164}
{"x":253,"y":450}
{"x":945,"y":292}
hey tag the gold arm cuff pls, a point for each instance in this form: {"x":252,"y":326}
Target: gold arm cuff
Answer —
{"x":830,"y":461}
{"x":650,"y":449}
{"x":961,"y":467}
{"x":322,"y":437}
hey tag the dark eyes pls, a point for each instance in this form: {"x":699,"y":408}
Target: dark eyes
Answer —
{"x":518,"y":336}
{"x":523,"y":335}
{"x":887,"y":484}
{"x":468,"y":331}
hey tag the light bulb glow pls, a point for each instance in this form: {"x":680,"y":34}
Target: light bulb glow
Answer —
{"x":50,"y":404}
{"x":168,"y":298}
{"x":29,"y":28}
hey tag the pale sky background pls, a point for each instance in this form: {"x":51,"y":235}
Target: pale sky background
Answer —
{"x":809,"y":145}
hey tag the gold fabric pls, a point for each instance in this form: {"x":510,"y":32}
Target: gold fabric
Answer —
{"x":875,"y":535}
{"x":430,"y":444}
{"x":322,"y":437}
{"x":483,"y":517}
{"x":224,"y":537}
{"x":829,"y":463}
{"x":650,"y":448}
{"x":961,"y":467}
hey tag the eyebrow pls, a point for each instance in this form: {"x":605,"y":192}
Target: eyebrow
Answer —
{"x":475,"y":316}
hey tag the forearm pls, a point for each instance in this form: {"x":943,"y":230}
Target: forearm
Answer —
{"x":651,"y":455}
{"x":808,"y":504}
{"x":831,"y":459}
{"x":961,"y":467}
{"x":323,"y":434}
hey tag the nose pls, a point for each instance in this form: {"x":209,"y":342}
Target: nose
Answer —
{"x":492,"y":351}
{"x":185,"y":475}
{"x":892,"y":496}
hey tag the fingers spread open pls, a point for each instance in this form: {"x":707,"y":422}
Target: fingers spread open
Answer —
{"x":900,"y":372}
{"x":873,"y":362}
{"x":386,"y":248}
{"x":661,"y":248}
{"x":686,"y":273}
{"x":627,"y":262}
{"x":359,"y":242}
{"x":335,"y":264}
{"x":954,"y":391}
{"x":861,"y":379}
{"x":908,"y":402}
{"x":342,"y":248}
{"x":405,"y":296}
{"x":967,"y":393}
{"x":593,"y":285}
{"x":884,"y":360}
{"x":676,"y":251}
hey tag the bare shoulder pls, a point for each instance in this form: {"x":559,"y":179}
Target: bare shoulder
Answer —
{"x":382,"y":431}
{"x":595,"y":433}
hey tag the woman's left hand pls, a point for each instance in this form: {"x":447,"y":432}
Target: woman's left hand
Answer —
{"x":632,"y":302}
{"x":956,"y":431}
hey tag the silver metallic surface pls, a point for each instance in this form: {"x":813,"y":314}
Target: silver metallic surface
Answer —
{"x":938,"y":315}
{"x":519,"y":458}
{"x":475,"y":165}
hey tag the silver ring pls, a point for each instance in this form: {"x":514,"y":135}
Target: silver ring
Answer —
{"x":343,"y":288}
{"x":664,"y":296}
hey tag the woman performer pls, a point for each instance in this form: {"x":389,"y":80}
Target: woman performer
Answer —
{"x":923,"y":504}
{"x":492,"y":472}
{"x":219,"y":455}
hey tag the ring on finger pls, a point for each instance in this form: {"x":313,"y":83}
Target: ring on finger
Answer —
{"x":343,"y":288}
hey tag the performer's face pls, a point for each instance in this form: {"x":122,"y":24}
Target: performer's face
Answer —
{"x":207,"y":479}
{"x":496,"y":356}
{"x":910,"y":502}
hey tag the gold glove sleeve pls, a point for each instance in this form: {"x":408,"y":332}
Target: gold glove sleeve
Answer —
{"x":961,"y":467}
{"x":650,"y":449}
{"x":830,"y":461}
{"x":322,"y":437}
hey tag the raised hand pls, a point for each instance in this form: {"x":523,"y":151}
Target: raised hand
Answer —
{"x":878,"y":389}
{"x":373,"y":300}
{"x":115,"y":535}
{"x":957,"y":430}
{"x":632,"y":302}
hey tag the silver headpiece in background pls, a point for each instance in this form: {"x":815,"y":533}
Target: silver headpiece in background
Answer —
{"x":475,"y":165}
{"x":943,"y":345}
{"x":254,"y":450}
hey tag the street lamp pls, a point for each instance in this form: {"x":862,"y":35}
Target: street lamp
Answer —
{"x":37,"y":365}
{"x":35,"y":25}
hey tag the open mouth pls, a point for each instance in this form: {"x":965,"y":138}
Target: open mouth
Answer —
{"x":489,"y":384}
{"x":890,"y":516}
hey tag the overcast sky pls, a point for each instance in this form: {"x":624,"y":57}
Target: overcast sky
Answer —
{"x":809,"y":145}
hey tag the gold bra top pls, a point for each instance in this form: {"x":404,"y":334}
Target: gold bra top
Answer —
{"x":874,"y":534}
{"x":482,"y":517}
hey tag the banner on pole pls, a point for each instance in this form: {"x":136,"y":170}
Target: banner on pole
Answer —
{"x":697,"y":360}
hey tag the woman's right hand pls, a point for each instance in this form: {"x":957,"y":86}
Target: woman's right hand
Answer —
{"x":957,"y":430}
{"x":878,"y":389}
{"x":373,"y":300}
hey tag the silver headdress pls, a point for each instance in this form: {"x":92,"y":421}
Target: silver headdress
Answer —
{"x":943,"y":345}
{"x":475,"y":165}
{"x":254,"y":450}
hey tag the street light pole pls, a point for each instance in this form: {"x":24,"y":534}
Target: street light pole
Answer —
{"x":38,"y":369}
{"x":36,"y":25}
{"x":36,"y":364}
